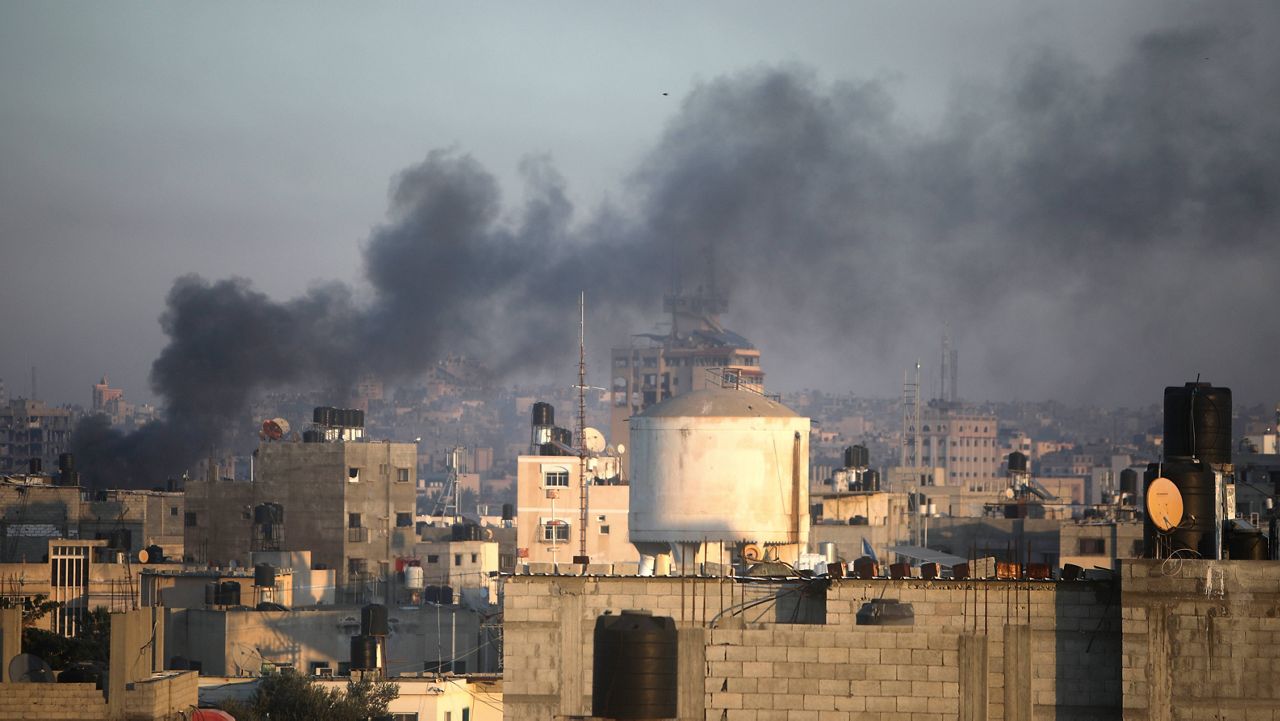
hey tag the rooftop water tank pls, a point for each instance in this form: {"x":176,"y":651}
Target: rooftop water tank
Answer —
{"x":635,"y":669}
{"x":722,"y":465}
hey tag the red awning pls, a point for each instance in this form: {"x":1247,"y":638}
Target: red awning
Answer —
{"x":211,"y":714}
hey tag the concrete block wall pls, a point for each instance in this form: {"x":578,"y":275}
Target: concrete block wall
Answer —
{"x":52,"y":702}
{"x":164,"y":697}
{"x":1064,"y":638}
{"x":1201,"y":640}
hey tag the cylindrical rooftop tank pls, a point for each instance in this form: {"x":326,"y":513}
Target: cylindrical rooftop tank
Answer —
{"x":1246,"y":544}
{"x":871,"y":480}
{"x":635,"y":668}
{"x":66,"y":462}
{"x":264,"y":575}
{"x":1197,"y":530}
{"x":229,"y":593}
{"x":544,"y":414}
{"x":856,"y":457}
{"x":721,"y":465}
{"x":1129,"y":481}
{"x":373,"y":620}
{"x":364,"y":653}
{"x":508,"y":512}
{"x":34,"y":466}
{"x":1197,"y":422}
{"x":414,"y":578}
{"x":1017,"y":462}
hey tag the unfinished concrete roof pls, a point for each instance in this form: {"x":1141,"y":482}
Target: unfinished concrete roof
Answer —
{"x":725,"y":402}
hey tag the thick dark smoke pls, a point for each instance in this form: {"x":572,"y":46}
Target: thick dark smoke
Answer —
{"x":1091,"y":236}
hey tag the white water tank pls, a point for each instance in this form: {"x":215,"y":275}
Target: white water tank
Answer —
{"x":721,"y":465}
{"x":414,"y":579}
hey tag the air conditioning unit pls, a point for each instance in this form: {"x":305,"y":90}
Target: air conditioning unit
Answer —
{"x":324,"y":672}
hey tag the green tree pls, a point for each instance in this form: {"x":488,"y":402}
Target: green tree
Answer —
{"x":290,"y":696}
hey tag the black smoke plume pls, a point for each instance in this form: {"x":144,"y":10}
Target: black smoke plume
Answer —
{"x":1093,"y":235}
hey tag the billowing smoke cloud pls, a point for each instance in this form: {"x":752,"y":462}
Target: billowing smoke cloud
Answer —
{"x":1091,"y":235}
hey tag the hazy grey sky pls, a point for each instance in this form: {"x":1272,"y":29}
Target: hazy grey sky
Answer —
{"x":143,"y":141}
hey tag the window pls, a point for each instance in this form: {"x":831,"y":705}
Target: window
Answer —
{"x":457,"y":559}
{"x":432,"y":558}
{"x":402,"y":475}
{"x":353,"y":475}
{"x":555,"y":478}
{"x":555,"y":531}
{"x":1093,"y":546}
{"x":173,"y":510}
{"x":404,"y":520}
{"x":357,"y":566}
{"x":414,"y":716}
{"x":604,"y":530}
{"x":475,"y":557}
{"x":353,"y":520}
{"x":190,"y":519}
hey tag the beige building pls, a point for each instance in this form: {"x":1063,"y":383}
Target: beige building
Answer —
{"x":549,"y":512}
{"x":469,"y":568}
{"x":317,"y":640}
{"x":964,"y":444}
{"x":350,"y":503}
{"x":696,"y":351}
{"x":29,"y":430}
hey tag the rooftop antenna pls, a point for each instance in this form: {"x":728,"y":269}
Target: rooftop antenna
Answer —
{"x":582,"y":424}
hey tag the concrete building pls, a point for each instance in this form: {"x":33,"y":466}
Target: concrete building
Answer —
{"x":696,"y":352}
{"x":317,"y":640}
{"x":351,"y":503}
{"x":964,"y":444}
{"x":34,"y":509}
{"x":548,"y":511}
{"x":423,"y":697}
{"x":1100,"y":544}
{"x":468,"y":568}
{"x":30,"y":429}
{"x":135,"y":687}
{"x":1153,"y":643}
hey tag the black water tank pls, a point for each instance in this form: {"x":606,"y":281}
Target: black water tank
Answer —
{"x":1017,"y":462}
{"x":871,"y":480}
{"x":312,"y":436}
{"x":636,"y":667}
{"x":211,"y":591}
{"x":34,"y":466}
{"x":442,"y":595}
{"x":1246,"y":544}
{"x":228,"y":593}
{"x":1196,"y":484}
{"x":322,"y":416}
{"x":544,"y":414}
{"x":856,"y":457}
{"x":66,"y":462}
{"x":508,"y":512}
{"x":1129,"y":481}
{"x":357,"y":418}
{"x":364,"y":653}
{"x":264,"y":575}
{"x":373,"y":620}
{"x":1197,"y":422}
{"x":120,"y":539}
{"x":465,"y":532}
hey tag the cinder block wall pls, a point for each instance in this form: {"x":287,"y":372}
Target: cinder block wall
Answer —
{"x":1032,"y":650}
{"x":1201,"y":640}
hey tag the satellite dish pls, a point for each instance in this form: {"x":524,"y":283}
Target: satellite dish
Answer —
{"x":143,"y":556}
{"x":593,"y":440}
{"x":752,"y":552}
{"x":1164,"y":504}
{"x":29,"y":669}
{"x":1008,"y":493}
{"x":621,"y":449}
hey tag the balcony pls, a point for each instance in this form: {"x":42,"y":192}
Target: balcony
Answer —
{"x":357,"y":535}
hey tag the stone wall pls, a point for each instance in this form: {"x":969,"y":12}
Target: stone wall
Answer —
{"x":1201,"y":640}
{"x":52,"y":702}
{"x":977,"y":649}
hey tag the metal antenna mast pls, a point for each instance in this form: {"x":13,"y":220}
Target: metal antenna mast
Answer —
{"x":582,"y":423}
